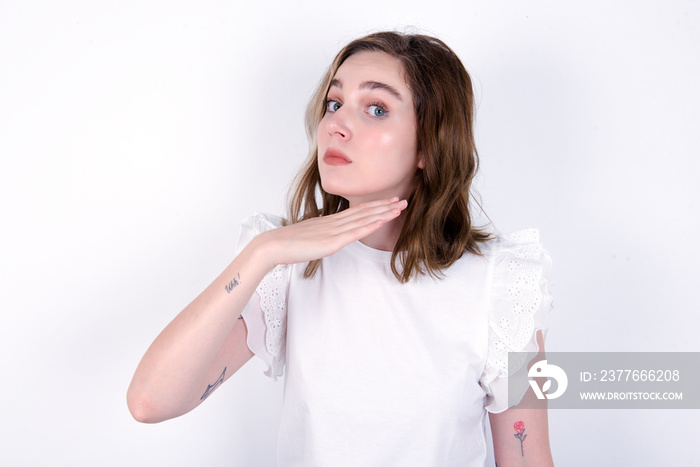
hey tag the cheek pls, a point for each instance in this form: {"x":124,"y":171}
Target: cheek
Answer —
{"x":320,"y":139}
{"x":387,"y":141}
{"x":400,"y":145}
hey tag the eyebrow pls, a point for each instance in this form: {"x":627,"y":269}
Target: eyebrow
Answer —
{"x":371,"y":85}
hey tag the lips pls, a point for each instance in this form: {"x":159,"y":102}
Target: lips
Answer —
{"x":335,"y":157}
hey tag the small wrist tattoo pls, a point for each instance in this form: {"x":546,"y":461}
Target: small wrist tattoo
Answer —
{"x":520,"y":434}
{"x":234,"y":283}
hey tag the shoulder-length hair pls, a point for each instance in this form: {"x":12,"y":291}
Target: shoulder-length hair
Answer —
{"x":437,"y":228}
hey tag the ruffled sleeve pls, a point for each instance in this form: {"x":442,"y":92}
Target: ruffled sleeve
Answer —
{"x":519,"y":302}
{"x":265,"y":314}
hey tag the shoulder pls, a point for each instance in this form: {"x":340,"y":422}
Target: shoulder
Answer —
{"x":254,"y":225}
{"x":507,"y":253}
{"x":518,"y":268}
{"x":523,"y":243}
{"x":262,"y":222}
{"x":516,"y":256}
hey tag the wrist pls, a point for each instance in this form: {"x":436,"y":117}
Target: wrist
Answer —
{"x":261,"y":252}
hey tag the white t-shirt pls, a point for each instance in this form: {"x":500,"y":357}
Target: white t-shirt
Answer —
{"x":380,"y":373}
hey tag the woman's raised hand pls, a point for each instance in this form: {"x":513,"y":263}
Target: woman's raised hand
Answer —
{"x":322,"y":236}
{"x":203,"y":344}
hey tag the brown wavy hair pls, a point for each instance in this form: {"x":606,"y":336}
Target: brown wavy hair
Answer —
{"x":437,"y":228}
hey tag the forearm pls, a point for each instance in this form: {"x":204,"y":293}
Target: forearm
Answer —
{"x":169,"y":379}
{"x":521,"y":438}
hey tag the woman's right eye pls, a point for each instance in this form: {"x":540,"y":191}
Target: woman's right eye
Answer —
{"x":332,"y":106}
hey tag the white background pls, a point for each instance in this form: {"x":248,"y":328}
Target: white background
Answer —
{"x":135,"y":135}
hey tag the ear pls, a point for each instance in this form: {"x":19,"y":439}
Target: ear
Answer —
{"x":421,"y":161}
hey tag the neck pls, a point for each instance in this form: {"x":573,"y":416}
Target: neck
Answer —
{"x":386,"y":236}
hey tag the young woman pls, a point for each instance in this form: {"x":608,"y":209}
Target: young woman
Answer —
{"x":391,"y":313}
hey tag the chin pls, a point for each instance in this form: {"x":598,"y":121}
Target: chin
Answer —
{"x":333,"y":189}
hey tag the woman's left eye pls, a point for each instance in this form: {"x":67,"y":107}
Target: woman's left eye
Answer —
{"x":376,"y":110}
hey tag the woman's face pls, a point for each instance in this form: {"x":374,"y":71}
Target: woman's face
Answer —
{"x":367,"y":145}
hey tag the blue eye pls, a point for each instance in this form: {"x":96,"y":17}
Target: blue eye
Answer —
{"x":377,"y":110}
{"x":332,"y":106}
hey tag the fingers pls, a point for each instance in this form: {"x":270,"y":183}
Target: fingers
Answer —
{"x":322,"y":236}
{"x":366,"y":220}
{"x":360,"y":230}
{"x":365,"y":206}
{"x":378,"y":214}
{"x":369,"y":212}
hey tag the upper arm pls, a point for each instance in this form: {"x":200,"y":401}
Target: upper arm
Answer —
{"x":526,"y":446}
{"x":529,"y":444}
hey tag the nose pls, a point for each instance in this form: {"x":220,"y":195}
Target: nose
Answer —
{"x":337,"y":124}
